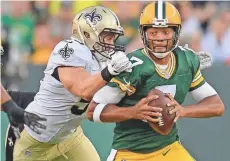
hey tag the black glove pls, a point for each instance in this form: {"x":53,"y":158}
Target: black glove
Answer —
{"x":18,"y":116}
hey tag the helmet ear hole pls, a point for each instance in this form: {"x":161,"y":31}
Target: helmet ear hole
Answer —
{"x":75,"y":31}
{"x":86,"y":34}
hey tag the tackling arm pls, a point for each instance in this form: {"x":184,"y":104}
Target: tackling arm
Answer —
{"x":80,"y":82}
{"x":83,"y":84}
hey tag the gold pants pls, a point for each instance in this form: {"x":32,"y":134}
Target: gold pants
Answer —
{"x":173,"y":152}
{"x":76,"y":148}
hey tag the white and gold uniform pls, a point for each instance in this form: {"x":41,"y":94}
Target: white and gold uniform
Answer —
{"x":63,"y":138}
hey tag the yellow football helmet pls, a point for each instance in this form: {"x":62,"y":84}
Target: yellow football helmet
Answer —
{"x":90,"y":23}
{"x":160,"y":14}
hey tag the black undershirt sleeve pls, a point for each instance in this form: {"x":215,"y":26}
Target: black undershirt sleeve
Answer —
{"x":22,"y":99}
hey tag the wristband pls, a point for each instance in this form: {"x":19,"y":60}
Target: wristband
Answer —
{"x":106,"y":74}
{"x":97,"y":112}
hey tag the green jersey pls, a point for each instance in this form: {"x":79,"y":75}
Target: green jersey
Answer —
{"x":178,"y":78}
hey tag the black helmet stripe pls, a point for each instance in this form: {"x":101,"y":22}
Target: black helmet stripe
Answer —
{"x":160,"y":9}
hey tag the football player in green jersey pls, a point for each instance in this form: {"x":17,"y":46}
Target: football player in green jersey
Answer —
{"x":163,"y":65}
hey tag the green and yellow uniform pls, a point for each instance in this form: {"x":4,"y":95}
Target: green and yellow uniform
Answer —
{"x":181,"y":76}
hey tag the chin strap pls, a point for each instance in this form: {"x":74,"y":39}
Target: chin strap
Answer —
{"x":160,"y":55}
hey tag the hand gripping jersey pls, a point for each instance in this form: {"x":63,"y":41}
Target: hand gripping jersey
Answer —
{"x":53,"y":101}
{"x":181,"y":76}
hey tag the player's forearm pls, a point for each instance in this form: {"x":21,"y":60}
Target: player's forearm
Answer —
{"x":4,"y":98}
{"x":10,"y":107}
{"x":209,"y":107}
{"x":111,"y":113}
{"x":95,"y":82}
{"x":4,"y":95}
{"x":81,"y":83}
{"x":91,"y":85}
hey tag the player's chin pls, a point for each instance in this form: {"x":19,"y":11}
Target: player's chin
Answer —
{"x":160,"y":49}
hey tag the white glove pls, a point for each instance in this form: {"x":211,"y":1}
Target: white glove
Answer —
{"x":205,"y":58}
{"x":119,"y":63}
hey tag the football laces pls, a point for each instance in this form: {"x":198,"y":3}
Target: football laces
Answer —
{"x":161,"y":122}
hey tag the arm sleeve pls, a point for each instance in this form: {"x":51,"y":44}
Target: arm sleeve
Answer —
{"x":203,"y":92}
{"x":22,"y":99}
{"x":198,"y":81}
{"x":109,"y":95}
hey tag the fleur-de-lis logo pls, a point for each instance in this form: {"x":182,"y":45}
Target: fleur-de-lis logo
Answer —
{"x":93,"y":17}
{"x":66,"y":52}
{"x":11,"y":143}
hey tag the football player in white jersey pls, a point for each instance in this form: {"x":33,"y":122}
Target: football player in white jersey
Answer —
{"x":77,"y":68}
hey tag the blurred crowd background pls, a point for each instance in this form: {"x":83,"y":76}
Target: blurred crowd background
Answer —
{"x":31,"y":29}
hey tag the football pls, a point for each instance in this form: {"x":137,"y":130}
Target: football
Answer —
{"x":166,"y":122}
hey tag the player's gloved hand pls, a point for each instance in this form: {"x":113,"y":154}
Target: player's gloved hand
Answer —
{"x":119,"y":63}
{"x":142,"y":111}
{"x":205,"y":58}
{"x":18,"y":116}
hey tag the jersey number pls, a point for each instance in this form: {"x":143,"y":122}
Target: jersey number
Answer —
{"x":137,"y":61}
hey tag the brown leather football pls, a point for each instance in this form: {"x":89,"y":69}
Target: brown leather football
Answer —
{"x":164,"y":126}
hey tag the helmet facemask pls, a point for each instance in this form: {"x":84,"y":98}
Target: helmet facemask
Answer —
{"x":169,"y":44}
{"x":104,"y":50}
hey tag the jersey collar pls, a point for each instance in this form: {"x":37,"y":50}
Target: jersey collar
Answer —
{"x":167,"y":74}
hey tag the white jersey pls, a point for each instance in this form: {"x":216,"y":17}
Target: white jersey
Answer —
{"x":53,"y":101}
